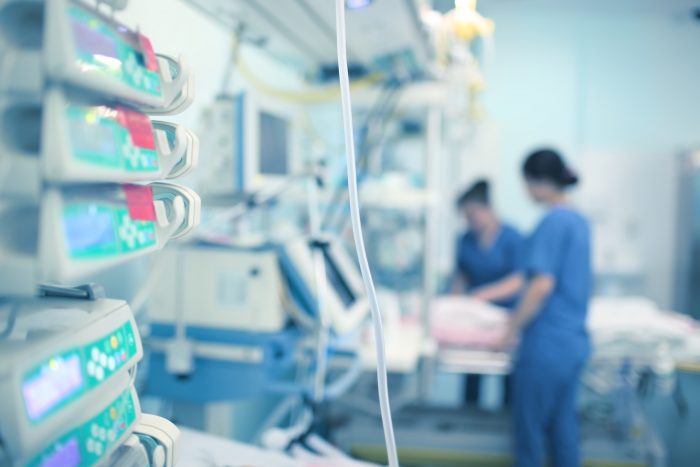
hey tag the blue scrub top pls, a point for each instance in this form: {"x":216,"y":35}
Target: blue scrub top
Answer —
{"x":560,"y":247}
{"x":484,"y":266}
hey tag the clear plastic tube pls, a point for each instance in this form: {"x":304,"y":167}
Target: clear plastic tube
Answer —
{"x":382,"y":383}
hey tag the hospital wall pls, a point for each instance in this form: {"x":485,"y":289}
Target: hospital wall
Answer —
{"x":618,"y":95}
{"x":616,"y":90}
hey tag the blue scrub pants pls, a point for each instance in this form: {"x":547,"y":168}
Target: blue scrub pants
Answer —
{"x":545,"y":385}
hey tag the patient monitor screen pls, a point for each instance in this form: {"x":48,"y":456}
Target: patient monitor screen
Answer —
{"x":337,"y":281}
{"x":274,"y":147}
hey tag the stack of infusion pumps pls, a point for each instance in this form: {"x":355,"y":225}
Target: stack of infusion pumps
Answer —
{"x":82,"y":170}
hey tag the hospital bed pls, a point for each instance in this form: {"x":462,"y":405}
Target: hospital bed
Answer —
{"x":622,"y":329}
{"x":634,"y":344}
{"x":201,"y":449}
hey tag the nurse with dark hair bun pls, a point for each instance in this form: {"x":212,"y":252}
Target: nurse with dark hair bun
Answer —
{"x":489,"y":253}
{"x":551,"y":320}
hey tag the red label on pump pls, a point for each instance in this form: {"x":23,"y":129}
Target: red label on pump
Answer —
{"x":139,"y":127}
{"x":149,"y":56}
{"x":139,"y":202}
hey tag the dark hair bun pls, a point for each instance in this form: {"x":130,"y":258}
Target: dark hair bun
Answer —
{"x":479,"y":192}
{"x":481,"y":187}
{"x":547,"y":165}
{"x":569,"y":177}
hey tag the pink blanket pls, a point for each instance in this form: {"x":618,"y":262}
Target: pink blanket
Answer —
{"x":465,"y":322}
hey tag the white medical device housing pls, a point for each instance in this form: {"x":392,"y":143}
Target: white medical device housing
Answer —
{"x":87,"y":49}
{"x":346,"y":304}
{"x":88,"y":141}
{"x":165,"y":453}
{"x":220,"y":287}
{"x":61,"y":359}
{"x":87,"y":229}
{"x":77,"y":139}
{"x":91,"y":438}
{"x":76,"y":92}
{"x":253,"y":143}
{"x":21,"y":40}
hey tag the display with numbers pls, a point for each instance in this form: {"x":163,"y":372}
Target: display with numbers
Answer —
{"x":62,"y":378}
{"x":97,"y":230}
{"x":112,"y":137}
{"x":95,"y":439}
{"x":117,"y":52}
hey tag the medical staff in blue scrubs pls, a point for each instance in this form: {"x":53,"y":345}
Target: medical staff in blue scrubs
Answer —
{"x":489,"y":254}
{"x":489,"y":268}
{"x":551,"y":321}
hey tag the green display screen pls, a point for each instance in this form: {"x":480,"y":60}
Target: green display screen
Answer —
{"x":112,"y":50}
{"x":94,"y":440}
{"x":96,"y":231}
{"x":101,"y":137}
{"x":64,"y":377}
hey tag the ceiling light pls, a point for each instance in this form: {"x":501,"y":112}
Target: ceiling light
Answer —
{"x":357,"y":4}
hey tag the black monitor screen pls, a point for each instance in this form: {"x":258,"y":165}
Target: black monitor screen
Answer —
{"x":274,"y":156}
{"x":337,"y":281}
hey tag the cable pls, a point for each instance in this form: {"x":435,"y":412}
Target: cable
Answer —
{"x":180,"y":323}
{"x":376,"y":124}
{"x":230,"y":64}
{"x":321,"y":280}
{"x":312,"y":96}
{"x":343,"y":383}
{"x":256,"y":199}
{"x":367,"y":149}
{"x":323,"y":325}
{"x":278,"y":413}
{"x":382,"y":383}
{"x":378,"y":110}
{"x":12,"y":319}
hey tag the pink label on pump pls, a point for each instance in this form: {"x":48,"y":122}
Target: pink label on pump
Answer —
{"x":149,"y":56}
{"x":139,"y":202}
{"x":139,"y":127}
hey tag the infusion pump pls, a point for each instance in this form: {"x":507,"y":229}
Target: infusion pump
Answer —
{"x":66,"y":379}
